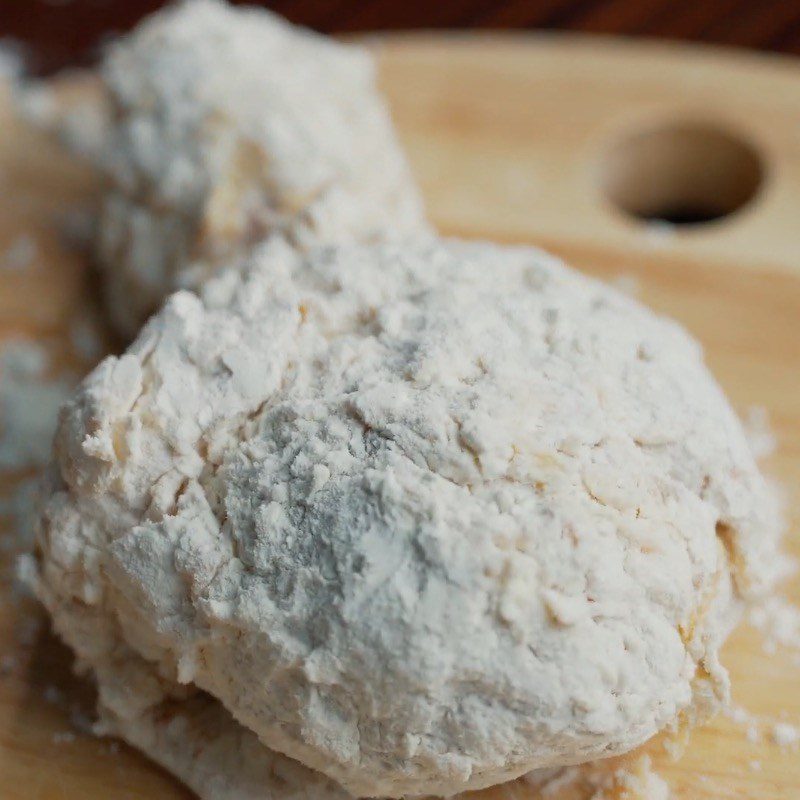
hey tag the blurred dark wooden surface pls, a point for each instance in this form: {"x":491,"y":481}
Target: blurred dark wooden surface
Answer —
{"x":67,"y":32}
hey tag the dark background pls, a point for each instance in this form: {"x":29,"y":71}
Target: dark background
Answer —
{"x":67,"y":32}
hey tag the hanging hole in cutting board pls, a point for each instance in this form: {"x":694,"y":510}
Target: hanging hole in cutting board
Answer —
{"x":682,"y":173}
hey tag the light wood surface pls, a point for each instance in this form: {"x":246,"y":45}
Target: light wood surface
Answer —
{"x":514,"y":139}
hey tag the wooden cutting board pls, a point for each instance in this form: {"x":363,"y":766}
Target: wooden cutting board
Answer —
{"x":548,"y":140}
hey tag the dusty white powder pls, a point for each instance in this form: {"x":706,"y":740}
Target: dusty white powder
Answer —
{"x":38,"y":102}
{"x":739,"y":715}
{"x":29,"y":403}
{"x":785,"y":735}
{"x":778,"y":620}
{"x":404,"y":528}
{"x":760,"y":435}
{"x":642,"y":783}
{"x":636,"y":780}
{"x":627,"y":283}
{"x":749,"y":722}
{"x":554,"y":786}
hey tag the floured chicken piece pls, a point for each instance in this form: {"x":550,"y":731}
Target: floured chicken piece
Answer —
{"x":421,"y":517}
{"x":227,"y":125}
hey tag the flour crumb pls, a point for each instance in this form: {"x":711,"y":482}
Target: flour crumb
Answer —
{"x":64,"y":737}
{"x":785,"y":735}
{"x":755,"y":765}
{"x":634,"y":781}
{"x":739,"y":715}
{"x":760,"y":436}
{"x":742,"y":717}
{"x":539,"y":778}
{"x":19,"y":255}
{"x":565,"y":779}
{"x":37,"y":103}
{"x":643,"y":783}
{"x":674,"y":747}
{"x":779,"y":623}
{"x":83,"y":129}
{"x":29,"y":403}
{"x":82,"y":125}
{"x":627,"y":283}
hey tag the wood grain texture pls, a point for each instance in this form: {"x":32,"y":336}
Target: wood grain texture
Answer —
{"x":508,"y":137}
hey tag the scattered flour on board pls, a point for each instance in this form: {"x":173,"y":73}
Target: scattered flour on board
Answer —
{"x":29,"y":403}
{"x":777,"y":619}
{"x":742,"y":717}
{"x":627,"y":283}
{"x":779,"y":623}
{"x":564,"y":780}
{"x":81,"y":126}
{"x":785,"y":735}
{"x":760,"y":435}
{"x":635,"y":781}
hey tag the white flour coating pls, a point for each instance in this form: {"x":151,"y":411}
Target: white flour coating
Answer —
{"x":199,"y":742}
{"x":423,"y":517}
{"x":194,"y":737}
{"x":227,"y":125}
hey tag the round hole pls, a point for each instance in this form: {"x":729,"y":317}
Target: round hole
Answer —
{"x":684,"y":174}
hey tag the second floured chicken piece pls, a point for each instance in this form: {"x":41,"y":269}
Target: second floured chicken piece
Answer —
{"x":225,"y":126}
